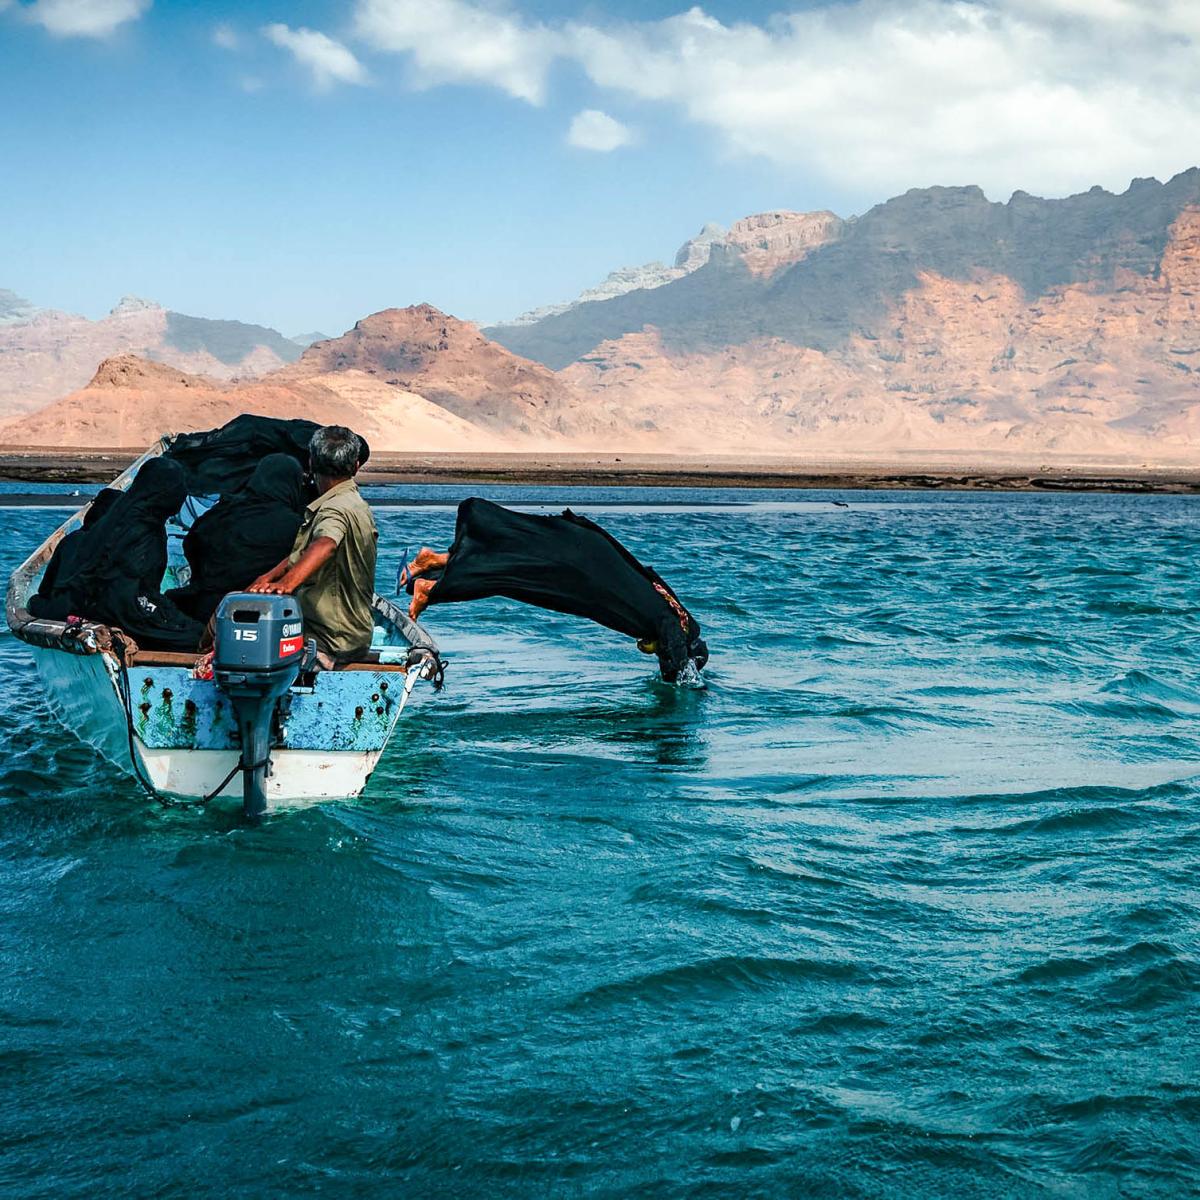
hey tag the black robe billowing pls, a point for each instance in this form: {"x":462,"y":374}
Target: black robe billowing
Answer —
{"x":244,"y":535}
{"x":220,"y":461}
{"x":116,"y":576}
{"x":571,"y":565}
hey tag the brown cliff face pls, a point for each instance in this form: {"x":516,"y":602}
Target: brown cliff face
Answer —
{"x":127,"y":372}
{"x":851,"y":284}
{"x":453,"y":365}
{"x":129,"y":402}
{"x":1179,"y":277}
{"x":766,"y":242}
{"x":960,"y":366}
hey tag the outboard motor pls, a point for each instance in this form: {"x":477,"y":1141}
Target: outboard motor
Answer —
{"x":258,"y":651}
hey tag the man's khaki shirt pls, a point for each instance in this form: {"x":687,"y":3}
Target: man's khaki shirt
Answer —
{"x":336,"y":601}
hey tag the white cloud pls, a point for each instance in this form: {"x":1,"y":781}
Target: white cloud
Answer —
{"x":595,"y":130}
{"x":1048,"y":95}
{"x":454,"y":41}
{"x":329,"y":61}
{"x":85,"y":18}
{"x":226,"y":37}
{"x":1165,"y":16}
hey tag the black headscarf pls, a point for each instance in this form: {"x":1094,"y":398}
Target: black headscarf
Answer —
{"x":103,"y":500}
{"x":567,"y":564}
{"x":220,"y":461}
{"x":245,"y":534}
{"x":116,"y":576}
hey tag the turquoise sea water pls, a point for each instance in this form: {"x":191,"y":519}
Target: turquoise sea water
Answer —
{"x":904,"y":903}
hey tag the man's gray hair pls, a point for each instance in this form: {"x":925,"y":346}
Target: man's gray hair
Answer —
{"x":334,"y":452}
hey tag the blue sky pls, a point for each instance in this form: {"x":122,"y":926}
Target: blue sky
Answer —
{"x":301,"y":164}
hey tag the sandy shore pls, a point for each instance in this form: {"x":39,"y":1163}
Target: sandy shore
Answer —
{"x":40,"y":465}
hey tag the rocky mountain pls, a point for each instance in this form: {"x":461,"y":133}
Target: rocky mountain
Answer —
{"x":45,"y":353}
{"x":14,"y":308}
{"x":1105,"y":365}
{"x":852,"y":275}
{"x":131,"y":402}
{"x":408,"y":379}
{"x":616,"y":283}
{"x":767,"y":242}
{"x":764,"y":243}
{"x":453,"y":365}
{"x":937,"y":324}
{"x":694,"y":253}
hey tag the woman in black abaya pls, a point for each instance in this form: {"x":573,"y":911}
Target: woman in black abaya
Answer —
{"x":45,"y":602}
{"x":116,"y":577}
{"x":242,"y":536}
{"x":567,"y":564}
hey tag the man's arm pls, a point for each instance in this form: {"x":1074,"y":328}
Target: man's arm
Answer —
{"x":287,"y":577}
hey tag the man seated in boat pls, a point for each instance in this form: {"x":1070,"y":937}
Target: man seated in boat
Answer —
{"x":331,"y":569}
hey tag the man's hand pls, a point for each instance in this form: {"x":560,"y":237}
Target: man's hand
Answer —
{"x":267,"y":581}
{"x":288,"y":576}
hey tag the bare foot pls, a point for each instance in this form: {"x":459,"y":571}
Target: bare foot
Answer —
{"x":420,"y":600}
{"x":426,"y":559}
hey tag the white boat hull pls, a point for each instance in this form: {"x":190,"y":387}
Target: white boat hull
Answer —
{"x":84,"y":695}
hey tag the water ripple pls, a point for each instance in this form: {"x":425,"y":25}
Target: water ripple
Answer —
{"x":903,"y":904}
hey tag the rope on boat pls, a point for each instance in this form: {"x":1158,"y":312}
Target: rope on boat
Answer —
{"x":432,"y":668}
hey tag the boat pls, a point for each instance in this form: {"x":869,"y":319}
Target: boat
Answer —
{"x":151,"y":714}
